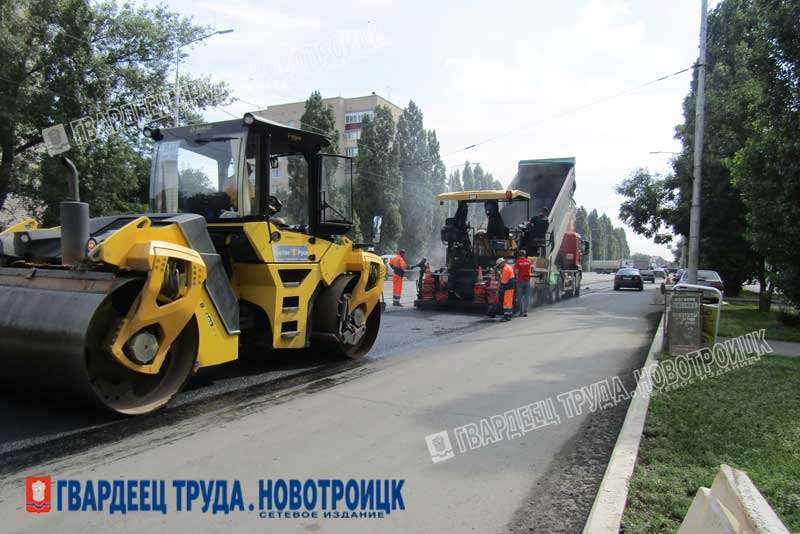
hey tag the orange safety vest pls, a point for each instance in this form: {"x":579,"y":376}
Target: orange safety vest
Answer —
{"x":398,"y":262}
{"x":397,"y":280}
{"x":508,"y":295}
{"x":506,"y":274}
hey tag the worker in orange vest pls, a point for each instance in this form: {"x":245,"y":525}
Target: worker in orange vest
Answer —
{"x":522,"y":271}
{"x":399,"y":266}
{"x":507,"y":284}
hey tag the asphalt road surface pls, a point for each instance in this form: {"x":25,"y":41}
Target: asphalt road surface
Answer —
{"x":307,"y":417}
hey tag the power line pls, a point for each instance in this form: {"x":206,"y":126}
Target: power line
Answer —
{"x":572,"y":110}
{"x":513,"y":130}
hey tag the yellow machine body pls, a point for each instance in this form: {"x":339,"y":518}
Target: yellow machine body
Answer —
{"x":159,"y":296}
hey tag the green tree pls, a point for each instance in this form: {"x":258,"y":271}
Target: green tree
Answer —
{"x":766,"y":36}
{"x":622,"y":239}
{"x":438,"y":170}
{"x":378,"y":188}
{"x":467,"y":178}
{"x":750,"y":178}
{"x":454,"y":181}
{"x":195,"y":182}
{"x":598,"y":244}
{"x":610,"y":245}
{"x":415,"y":167}
{"x":65,"y":60}
{"x":649,"y":204}
{"x":479,"y":177}
{"x":492,"y":182}
{"x":582,"y":223}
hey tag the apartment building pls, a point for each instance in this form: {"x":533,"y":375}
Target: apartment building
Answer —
{"x":349,"y":115}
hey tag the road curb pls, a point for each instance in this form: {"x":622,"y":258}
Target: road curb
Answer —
{"x":609,"y":503}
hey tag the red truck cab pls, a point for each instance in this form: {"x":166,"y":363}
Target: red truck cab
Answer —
{"x":572,"y":248}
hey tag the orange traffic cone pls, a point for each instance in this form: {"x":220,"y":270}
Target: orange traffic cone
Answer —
{"x":427,"y":283}
{"x":479,"y":290}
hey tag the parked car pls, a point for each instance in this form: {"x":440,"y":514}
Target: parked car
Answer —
{"x":647,"y":274}
{"x":706,"y":278}
{"x":628,"y":278}
{"x":677,"y":276}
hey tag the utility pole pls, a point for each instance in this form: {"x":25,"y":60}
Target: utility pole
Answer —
{"x":177,"y":68}
{"x":699,"y":124}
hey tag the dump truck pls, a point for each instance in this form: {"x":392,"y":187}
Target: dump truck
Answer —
{"x":119,"y":311}
{"x":606,"y":266}
{"x":555,"y":249}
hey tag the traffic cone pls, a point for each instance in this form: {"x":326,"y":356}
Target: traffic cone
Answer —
{"x":479,"y":290}
{"x":427,"y":283}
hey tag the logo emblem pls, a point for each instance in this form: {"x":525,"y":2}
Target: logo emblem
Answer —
{"x":439,"y":446}
{"x":55,"y":139}
{"x":37,"y":494}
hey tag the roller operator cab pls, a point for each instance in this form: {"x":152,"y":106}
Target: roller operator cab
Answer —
{"x":247,"y":245}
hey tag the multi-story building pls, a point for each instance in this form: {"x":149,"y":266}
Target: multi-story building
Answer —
{"x":349,"y":114}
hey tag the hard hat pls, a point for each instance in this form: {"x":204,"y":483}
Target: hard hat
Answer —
{"x":499,"y":261}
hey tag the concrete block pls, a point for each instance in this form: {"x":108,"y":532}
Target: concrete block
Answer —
{"x":732,"y":505}
{"x":708,"y":516}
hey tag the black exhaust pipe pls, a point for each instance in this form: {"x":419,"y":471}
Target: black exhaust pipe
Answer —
{"x":74,"y":216}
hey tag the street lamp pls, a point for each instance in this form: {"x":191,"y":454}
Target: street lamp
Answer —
{"x":177,"y":70}
{"x":664,"y":152}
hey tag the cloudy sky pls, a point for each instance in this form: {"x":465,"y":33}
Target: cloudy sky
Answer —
{"x":521,"y":79}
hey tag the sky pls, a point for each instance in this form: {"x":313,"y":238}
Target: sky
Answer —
{"x":519,"y":79}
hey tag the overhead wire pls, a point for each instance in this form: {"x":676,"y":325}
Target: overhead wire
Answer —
{"x":571,"y":110}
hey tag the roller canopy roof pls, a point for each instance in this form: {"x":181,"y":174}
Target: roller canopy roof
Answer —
{"x":480,"y":196}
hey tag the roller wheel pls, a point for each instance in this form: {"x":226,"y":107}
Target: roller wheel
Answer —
{"x":348,"y":333}
{"x":128,"y":392}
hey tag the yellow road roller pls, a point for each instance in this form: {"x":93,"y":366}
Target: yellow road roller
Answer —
{"x":247,"y":245}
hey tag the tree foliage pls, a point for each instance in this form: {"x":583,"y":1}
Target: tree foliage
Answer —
{"x":765,"y":167}
{"x":65,"y":60}
{"x":608,"y":242}
{"x":751,"y":181}
{"x":378,"y":186}
{"x":454,"y":181}
{"x":418,"y":205}
{"x":650,"y":199}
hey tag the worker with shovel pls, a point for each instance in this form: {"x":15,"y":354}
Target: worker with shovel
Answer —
{"x":399,"y":266}
{"x":507,"y":284}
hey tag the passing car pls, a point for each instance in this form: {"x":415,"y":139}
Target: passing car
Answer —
{"x":647,"y":274}
{"x":628,"y":278}
{"x":660,"y":274}
{"x":706,"y":278}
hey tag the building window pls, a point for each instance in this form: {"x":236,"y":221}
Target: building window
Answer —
{"x":352,"y":135}
{"x":351,"y":152}
{"x":276,"y":173}
{"x":357,"y":116}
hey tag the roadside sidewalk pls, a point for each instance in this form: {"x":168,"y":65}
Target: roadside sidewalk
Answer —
{"x":784,"y":348}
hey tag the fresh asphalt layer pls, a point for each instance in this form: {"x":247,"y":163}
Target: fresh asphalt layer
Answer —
{"x":29,"y":421}
{"x":322,"y":419}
